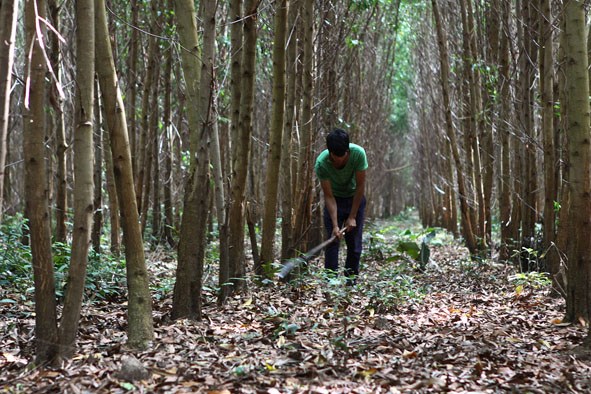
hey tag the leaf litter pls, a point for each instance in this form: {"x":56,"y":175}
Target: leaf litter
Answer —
{"x":467,"y":328}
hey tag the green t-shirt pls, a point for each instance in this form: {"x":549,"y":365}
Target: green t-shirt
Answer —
{"x":342,"y":180}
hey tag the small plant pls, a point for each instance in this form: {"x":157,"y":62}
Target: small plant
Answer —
{"x":531,"y":280}
{"x":392,"y":288}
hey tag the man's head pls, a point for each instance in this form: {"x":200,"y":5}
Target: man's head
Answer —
{"x":337,"y":142}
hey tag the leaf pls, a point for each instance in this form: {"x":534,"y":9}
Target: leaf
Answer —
{"x":409,"y":247}
{"x":127,"y":386}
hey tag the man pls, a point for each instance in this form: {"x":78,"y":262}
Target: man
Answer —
{"x":341,"y":171}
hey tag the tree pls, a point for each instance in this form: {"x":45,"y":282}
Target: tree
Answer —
{"x":576,"y":111}
{"x":83,"y":176}
{"x":8,"y":19}
{"x":449,"y":128}
{"x":241,"y":147}
{"x":140,"y":324}
{"x":192,"y":242}
{"x":277,"y":124}
{"x":546,"y":69}
{"x":227,"y":267}
{"x":36,"y":186}
{"x":58,"y":125}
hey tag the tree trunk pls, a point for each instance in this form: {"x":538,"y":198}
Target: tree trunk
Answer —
{"x":577,"y":117}
{"x":112,"y":193}
{"x":140,"y":329}
{"x":236,"y":216}
{"x":83,"y":176}
{"x":8,"y":19}
{"x":529,"y":178}
{"x":59,"y":130}
{"x":97,"y":222}
{"x":227,"y":270}
{"x":36,"y":183}
{"x":143,"y":143}
{"x":504,"y":88}
{"x":198,"y":71}
{"x":444,"y":64}
{"x":304,"y":190}
{"x":167,"y":152}
{"x":547,"y":97}
{"x":277,"y":123}
{"x":287,"y":197}
{"x":132,"y":82}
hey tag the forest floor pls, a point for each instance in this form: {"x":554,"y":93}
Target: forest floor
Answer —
{"x":457,"y":326}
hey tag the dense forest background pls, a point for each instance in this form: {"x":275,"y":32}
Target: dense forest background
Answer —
{"x":133,"y":126}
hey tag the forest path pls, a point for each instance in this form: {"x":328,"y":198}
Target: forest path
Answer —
{"x":459,"y":326}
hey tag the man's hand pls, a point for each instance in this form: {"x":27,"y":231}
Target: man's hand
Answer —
{"x":350,"y":224}
{"x":337,"y":232}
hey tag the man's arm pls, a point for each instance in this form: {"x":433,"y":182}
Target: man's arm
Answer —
{"x":331,"y":206}
{"x":359,"y":193}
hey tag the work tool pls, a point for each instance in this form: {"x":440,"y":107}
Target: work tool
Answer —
{"x":303,"y":259}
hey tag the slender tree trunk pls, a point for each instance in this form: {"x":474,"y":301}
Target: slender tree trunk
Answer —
{"x":140,"y":329}
{"x":304,"y":190}
{"x":287,"y":197}
{"x":112,"y":193}
{"x":8,"y":19}
{"x":547,"y":97}
{"x":59,"y":130}
{"x":227,"y":270}
{"x":444,"y":64}
{"x":187,"y":290}
{"x":83,"y":176}
{"x":504,"y":86}
{"x":529,"y":183}
{"x":473,"y":175}
{"x":167,"y":151}
{"x":132,"y":82}
{"x":143,"y":148}
{"x":37,"y":205}
{"x":97,"y":225}
{"x":277,"y":124}
{"x":577,"y":117}
{"x":150,"y":157}
{"x":240,"y":167}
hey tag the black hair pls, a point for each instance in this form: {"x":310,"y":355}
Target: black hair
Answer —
{"x":337,"y":142}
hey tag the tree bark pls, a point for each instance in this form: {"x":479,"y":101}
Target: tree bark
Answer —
{"x":8,"y":19}
{"x":236,"y":40}
{"x":236,"y":216}
{"x":277,"y":123}
{"x":59,"y":130}
{"x":546,"y":67}
{"x":36,"y":186}
{"x":97,"y":222}
{"x":577,"y":116}
{"x":444,"y":65}
{"x":140,"y":329}
{"x":83,"y":176}
{"x":504,"y":88}
{"x":198,"y":72}
{"x":304,"y":190}
{"x":287,"y":197}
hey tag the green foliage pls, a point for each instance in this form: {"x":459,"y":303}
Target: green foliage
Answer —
{"x":530,"y":280}
{"x":395,"y":285}
{"x":106,"y":276}
{"x":15,"y":257}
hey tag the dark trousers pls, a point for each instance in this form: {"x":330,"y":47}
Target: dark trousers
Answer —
{"x":353,"y":238}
